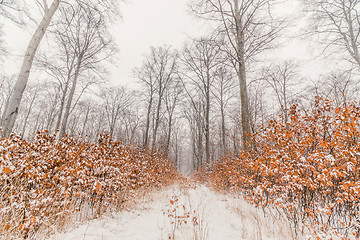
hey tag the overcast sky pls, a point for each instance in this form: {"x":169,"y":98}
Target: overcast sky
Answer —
{"x":144,"y":23}
{"x":147,"y":23}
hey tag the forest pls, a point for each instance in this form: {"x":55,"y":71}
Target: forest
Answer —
{"x":229,"y":109}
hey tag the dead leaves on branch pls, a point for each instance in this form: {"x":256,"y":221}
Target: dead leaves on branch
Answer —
{"x":309,"y":167}
{"x":44,"y":182}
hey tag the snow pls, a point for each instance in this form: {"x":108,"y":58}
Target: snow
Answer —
{"x":179,"y":212}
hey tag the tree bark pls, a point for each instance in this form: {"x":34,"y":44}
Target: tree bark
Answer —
{"x":244,"y":100}
{"x":157,"y":119}
{"x":70,"y":98}
{"x":12,"y":110}
{"x":207,"y":121}
{"x":28,"y":113}
{"x":63,"y":98}
{"x":147,"y":126}
{"x":85,"y":121}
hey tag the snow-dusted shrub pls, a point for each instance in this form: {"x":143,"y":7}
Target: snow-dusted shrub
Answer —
{"x":45,"y":182}
{"x":309,"y":167}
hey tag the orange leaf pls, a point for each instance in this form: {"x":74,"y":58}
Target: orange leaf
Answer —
{"x":7,"y":227}
{"x":7,"y":170}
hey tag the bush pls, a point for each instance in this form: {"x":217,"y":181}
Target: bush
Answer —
{"x":45,"y":182}
{"x":307,"y":167}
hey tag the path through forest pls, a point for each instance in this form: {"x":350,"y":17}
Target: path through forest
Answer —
{"x":184,"y":213}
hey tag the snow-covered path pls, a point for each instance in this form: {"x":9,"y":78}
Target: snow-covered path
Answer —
{"x":183,"y":213}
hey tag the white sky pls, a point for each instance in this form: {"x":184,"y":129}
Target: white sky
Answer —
{"x":148,"y":23}
{"x":151,"y":23}
{"x":144,"y":23}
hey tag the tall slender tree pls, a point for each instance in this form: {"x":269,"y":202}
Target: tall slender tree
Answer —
{"x":249,"y":28}
{"x":156,"y":74}
{"x":337,"y":25}
{"x":86,"y":42}
{"x":201,"y":61}
{"x":48,"y":8}
{"x":12,"y":109}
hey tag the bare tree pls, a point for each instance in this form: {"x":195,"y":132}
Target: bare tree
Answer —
{"x":51,"y":96}
{"x":3,"y":51}
{"x":195,"y":118}
{"x":172,"y":98}
{"x":282,"y":78}
{"x":249,"y":28}
{"x":115,"y":101}
{"x":156,"y":74}
{"x":131,"y":121}
{"x":338,"y":86}
{"x":6,"y":87}
{"x":165,"y":66}
{"x":86,"y":43}
{"x":146,"y":77}
{"x":48,"y":11}
{"x":33,"y":94}
{"x":12,"y":109}
{"x":223,"y":93}
{"x":337,"y":24}
{"x":201,"y":61}
{"x":62,"y":75}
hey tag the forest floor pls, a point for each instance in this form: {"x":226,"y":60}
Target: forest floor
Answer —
{"x":184,"y":213}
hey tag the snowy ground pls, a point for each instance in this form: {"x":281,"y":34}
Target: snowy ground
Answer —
{"x":184,"y":213}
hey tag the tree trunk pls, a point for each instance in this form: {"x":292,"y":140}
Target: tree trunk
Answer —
{"x":168,"y":136}
{"x":62,"y":103}
{"x":147,"y":126}
{"x":207,"y":124}
{"x":36,"y":124}
{"x":70,"y":98}
{"x":285,"y":107}
{"x":85,"y":121}
{"x":157,"y":120}
{"x":28,"y":113}
{"x":244,"y":100}
{"x":223,"y":129}
{"x":12,"y":110}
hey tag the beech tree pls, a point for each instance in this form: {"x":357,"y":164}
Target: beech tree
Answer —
{"x":337,"y":24}
{"x":338,"y":86}
{"x":48,"y":8}
{"x":201,"y":60}
{"x":172,"y":99}
{"x":12,"y":109}
{"x":223,"y":93}
{"x":156,"y":73}
{"x":6,"y":87}
{"x":33,"y":94}
{"x":115,"y":101}
{"x":249,"y":28}
{"x":282,"y":78}
{"x":86,"y":43}
{"x":2,"y":47}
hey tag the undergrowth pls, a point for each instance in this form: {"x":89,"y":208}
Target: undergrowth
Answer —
{"x":306,"y":168}
{"x":45,"y":184}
